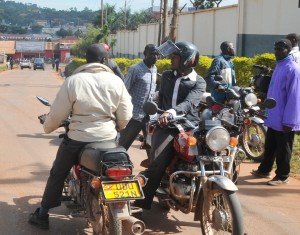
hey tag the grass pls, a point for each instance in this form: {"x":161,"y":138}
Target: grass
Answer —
{"x":295,"y":161}
{"x":3,"y":67}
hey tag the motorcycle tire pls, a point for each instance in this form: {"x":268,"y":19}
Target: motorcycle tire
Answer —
{"x":113,"y":227}
{"x":224,"y":215}
{"x":253,"y":141}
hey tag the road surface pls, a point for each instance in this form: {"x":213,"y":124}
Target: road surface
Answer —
{"x":27,"y":153}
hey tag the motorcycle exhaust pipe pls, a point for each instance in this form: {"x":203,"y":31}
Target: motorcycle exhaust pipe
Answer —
{"x":134,"y":225}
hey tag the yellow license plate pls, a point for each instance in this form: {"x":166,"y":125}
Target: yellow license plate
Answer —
{"x":122,"y":190}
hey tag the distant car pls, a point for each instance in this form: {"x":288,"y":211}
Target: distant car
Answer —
{"x":38,"y":63}
{"x":25,"y":64}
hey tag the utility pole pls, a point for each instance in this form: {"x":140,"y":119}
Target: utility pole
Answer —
{"x":102,"y":13}
{"x":125,"y":15}
{"x":160,"y":23}
{"x":174,"y":22}
{"x":165,"y":20}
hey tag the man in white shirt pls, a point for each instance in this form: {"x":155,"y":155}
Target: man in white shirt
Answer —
{"x":295,"y":53}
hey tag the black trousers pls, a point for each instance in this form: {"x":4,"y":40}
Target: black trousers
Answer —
{"x":279,"y":146}
{"x":131,"y":131}
{"x":66,"y":157}
{"x":162,"y":152}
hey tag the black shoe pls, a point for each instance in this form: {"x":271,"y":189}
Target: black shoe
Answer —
{"x":261,"y":174}
{"x":36,"y":220}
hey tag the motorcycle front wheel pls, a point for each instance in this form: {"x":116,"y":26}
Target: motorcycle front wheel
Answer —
{"x":253,"y":141}
{"x":221,"y":212}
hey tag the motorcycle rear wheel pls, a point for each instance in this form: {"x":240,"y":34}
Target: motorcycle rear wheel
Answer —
{"x":112,"y":226}
{"x":253,"y":141}
{"x":223,"y":214}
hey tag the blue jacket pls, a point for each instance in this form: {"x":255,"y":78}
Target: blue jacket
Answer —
{"x":221,"y":65}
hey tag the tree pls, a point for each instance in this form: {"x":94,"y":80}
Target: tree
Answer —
{"x":205,"y":4}
{"x":63,"y":33}
{"x":92,"y":36}
{"x":36,"y":28}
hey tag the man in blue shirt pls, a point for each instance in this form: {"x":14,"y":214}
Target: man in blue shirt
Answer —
{"x":221,"y":65}
{"x":140,"y":83}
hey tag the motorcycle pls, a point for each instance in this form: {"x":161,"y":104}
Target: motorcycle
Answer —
{"x":103,"y":186}
{"x":252,"y":138}
{"x":195,"y":180}
{"x":234,"y":119}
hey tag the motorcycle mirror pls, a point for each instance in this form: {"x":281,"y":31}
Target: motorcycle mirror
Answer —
{"x":210,"y":101}
{"x":269,"y":103}
{"x":43,"y":100}
{"x":150,"y":108}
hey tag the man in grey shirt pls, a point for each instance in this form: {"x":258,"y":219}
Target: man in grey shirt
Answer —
{"x":140,"y":83}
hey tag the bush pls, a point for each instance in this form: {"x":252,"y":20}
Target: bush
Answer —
{"x":243,"y":66}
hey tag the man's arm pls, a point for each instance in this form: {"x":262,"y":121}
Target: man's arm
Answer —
{"x":130,"y":79}
{"x":214,"y":70}
{"x":193,"y":98}
{"x":60,"y":109}
{"x":124,"y":110}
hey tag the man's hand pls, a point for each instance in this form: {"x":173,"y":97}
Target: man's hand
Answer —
{"x":164,"y":119}
{"x":287,"y":129}
{"x":42,"y":118}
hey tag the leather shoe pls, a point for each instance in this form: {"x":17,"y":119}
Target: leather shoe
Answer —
{"x":36,"y":220}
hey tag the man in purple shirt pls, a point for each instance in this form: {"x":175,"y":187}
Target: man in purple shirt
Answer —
{"x":283,"y":120}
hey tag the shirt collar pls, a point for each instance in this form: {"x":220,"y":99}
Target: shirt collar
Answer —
{"x":192,"y":75}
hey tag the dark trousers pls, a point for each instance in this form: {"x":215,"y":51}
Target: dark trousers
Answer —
{"x":162,"y":152}
{"x":66,"y":157}
{"x":279,"y":146}
{"x":131,"y":131}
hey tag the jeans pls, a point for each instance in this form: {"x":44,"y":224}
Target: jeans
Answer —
{"x":279,"y":146}
{"x":131,"y":131}
{"x":162,"y":153}
{"x":66,"y":157}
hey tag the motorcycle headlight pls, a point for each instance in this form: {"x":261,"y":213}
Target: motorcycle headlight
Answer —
{"x":217,"y":138}
{"x":250,"y":99}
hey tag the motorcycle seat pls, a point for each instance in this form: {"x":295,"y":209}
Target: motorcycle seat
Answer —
{"x":97,"y":156}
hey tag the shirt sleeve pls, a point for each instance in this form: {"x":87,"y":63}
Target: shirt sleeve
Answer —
{"x":60,"y":109}
{"x":130,"y":79}
{"x":124,"y":110}
{"x":193,"y":98}
{"x":214,"y":69}
{"x":291,"y":115}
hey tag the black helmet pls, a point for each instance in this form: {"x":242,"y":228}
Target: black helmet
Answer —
{"x":189,"y":54}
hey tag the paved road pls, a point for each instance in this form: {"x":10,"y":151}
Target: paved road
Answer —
{"x":27,"y":154}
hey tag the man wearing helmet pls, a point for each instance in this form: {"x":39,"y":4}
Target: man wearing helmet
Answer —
{"x":221,"y":65}
{"x":112,"y":64}
{"x":181,"y":89}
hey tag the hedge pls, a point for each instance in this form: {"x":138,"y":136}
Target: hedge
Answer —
{"x":242,"y":65}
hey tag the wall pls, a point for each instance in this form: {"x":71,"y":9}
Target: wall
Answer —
{"x":252,"y":25}
{"x":262,"y":22}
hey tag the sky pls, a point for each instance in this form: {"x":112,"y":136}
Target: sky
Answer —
{"x":134,"y":5}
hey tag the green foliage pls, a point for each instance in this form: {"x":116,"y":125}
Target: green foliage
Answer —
{"x":63,"y":33}
{"x":203,"y":66}
{"x":69,"y":69}
{"x":266,"y":59}
{"x":243,"y":66}
{"x":243,"y":70}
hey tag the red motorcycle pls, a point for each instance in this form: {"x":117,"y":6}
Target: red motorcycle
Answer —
{"x":102,"y":185}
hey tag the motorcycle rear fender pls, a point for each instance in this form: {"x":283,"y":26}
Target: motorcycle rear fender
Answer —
{"x":257,"y":120}
{"x":119,"y":213}
{"x":221,"y":181}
